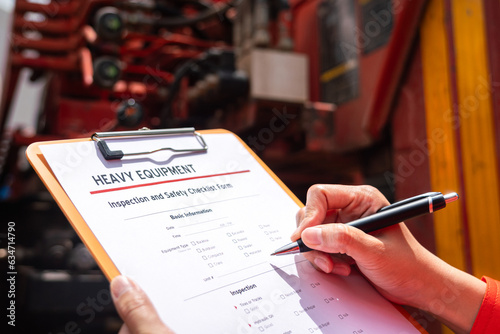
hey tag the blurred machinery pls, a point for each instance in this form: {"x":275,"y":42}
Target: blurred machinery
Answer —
{"x":328,"y":70}
{"x":324,"y":91}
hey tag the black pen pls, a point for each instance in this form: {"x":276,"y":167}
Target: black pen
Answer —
{"x":386,"y":216}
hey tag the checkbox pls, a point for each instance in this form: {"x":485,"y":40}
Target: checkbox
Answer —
{"x":311,"y":330}
{"x":229,"y":234}
{"x":313,"y":285}
{"x":204,"y":257}
{"x":247,"y":311}
{"x":296,"y":313}
{"x":235,"y":241}
{"x":210,"y":265}
{"x":193,"y":243}
{"x":246,"y":254}
{"x":282,"y":296}
{"x":261,"y":227}
{"x":198,"y":250}
{"x":327,"y":301}
{"x":261,"y":328}
{"x":240,"y":247}
{"x":267,"y":233}
{"x":271,"y":238}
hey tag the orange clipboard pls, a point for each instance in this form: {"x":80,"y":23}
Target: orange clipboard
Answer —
{"x":42,"y":168}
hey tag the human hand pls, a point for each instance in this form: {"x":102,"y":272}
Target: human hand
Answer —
{"x":400,"y":268}
{"x":388,"y":259}
{"x":135,"y":308}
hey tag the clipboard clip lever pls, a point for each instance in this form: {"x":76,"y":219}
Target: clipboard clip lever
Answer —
{"x":108,"y":154}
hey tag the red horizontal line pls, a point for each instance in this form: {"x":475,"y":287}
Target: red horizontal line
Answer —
{"x":167,"y":181}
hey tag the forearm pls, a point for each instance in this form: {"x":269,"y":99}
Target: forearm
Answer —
{"x":454,"y":298}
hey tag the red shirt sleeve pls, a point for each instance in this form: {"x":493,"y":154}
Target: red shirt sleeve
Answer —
{"x":488,"y":317}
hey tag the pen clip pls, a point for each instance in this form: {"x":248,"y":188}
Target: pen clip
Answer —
{"x":409,"y":200}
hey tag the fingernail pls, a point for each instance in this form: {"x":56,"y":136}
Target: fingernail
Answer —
{"x":313,"y":235}
{"x":321,"y":264}
{"x":120,"y":285}
{"x":341,"y":270}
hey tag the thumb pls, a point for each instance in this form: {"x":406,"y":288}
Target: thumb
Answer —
{"x":341,"y":238}
{"x":135,"y":308}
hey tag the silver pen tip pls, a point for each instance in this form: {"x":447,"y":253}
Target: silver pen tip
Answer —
{"x":291,"y":248}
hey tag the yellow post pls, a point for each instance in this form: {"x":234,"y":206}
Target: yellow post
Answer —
{"x":477,"y":136}
{"x":441,"y":135}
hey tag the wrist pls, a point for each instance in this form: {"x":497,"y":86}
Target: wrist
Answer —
{"x":452,"y":296}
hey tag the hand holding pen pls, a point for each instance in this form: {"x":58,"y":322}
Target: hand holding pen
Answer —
{"x":385,"y":217}
{"x":339,"y":204}
{"x":394,"y":262}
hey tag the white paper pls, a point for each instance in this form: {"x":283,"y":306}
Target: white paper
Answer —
{"x":199,"y":241}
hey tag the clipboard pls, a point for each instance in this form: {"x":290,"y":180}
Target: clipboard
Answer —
{"x":86,"y":234}
{"x":42,"y":168}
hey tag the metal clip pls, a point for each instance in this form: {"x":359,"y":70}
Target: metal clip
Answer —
{"x":118,"y":154}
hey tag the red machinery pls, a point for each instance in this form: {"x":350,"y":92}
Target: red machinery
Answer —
{"x":112,"y":67}
{"x":357,"y":52}
{"x":121,"y":65}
